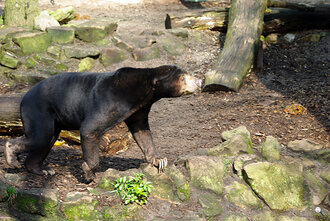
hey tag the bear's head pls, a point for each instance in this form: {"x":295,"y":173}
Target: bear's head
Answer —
{"x":172,"y":81}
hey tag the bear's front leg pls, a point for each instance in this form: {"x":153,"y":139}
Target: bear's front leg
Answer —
{"x":139,"y":127}
{"x":89,"y":144}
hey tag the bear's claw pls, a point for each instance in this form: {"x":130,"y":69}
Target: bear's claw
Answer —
{"x":161,"y":164}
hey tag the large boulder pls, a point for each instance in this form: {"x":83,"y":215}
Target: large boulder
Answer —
{"x":112,"y":56}
{"x":280,"y":186}
{"x":80,"y":52}
{"x":206,"y":172}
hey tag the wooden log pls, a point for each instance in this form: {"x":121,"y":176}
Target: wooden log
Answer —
{"x":242,"y":41}
{"x":10,"y":121}
{"x":276,"y":20}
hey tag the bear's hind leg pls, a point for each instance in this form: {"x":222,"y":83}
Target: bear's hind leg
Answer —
{"x":12,"y":149}
{"x":39,"y":145}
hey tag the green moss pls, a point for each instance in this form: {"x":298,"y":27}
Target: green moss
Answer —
{"x":82,"y":211}
{"x":122,"y":213}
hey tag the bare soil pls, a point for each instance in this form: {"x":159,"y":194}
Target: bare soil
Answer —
{"x":294,"y":73}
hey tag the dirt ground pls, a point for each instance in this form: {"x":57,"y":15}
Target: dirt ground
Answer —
{"x":294,"y":73}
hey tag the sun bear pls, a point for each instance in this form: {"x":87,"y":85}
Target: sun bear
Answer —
{"x":94,"y":103}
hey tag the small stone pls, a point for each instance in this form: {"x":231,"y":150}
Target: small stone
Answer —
{"x":307,"y":163}
{"x":61,"y":35}
{"x":289,"y":37}
{"x":44,"y":20}
{"x":311,"y":38}
{"x":80,"y":52}
{"x":236,"y":218}
{"x":264,"y":216}
{"x":30,"y":63}
{"x":8,"y":60}
{"x":146,"y":54}
{"x":325,"y":175}
{"x":173,"y":45}
{"x":86,"y":64}
{"x":54,"y":50}
{"x":287,"y":218}
{"x":270,"y":149}
{"x":64,"y":15}
{"x":179,"y":32}
{"x":304,"y":145}
{"x":271,"y":38}
{"x":112,"y":56}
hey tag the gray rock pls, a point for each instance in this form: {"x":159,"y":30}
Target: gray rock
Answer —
{"x":206,"y":172}
{"x":317,"y":191}
{"x":80,"y":52}
{"x":36,"y":201}
{"x":264,"y":216}
{"x":305,"y":146}
{"x":242,"y":196}
{"x":95,"y":30}
{"x":270,"y":149}
{"x":289,"y":37}
{"x":63,"y":15}
{"x":6,"y":59}
{"x":44,"y":20}
{"x":179,"y":32}
{"x":211,"y":204}
{"x":61,"y":35}
{"x":146,"y":54}
{"x":180,"y":182}
{"x":32,"y":42}
{"x":325,"y":175}
{"x":173,"y":45}
{"x":112,"y":56}
{"x":229,"y":134}
{"x":236,"y":218}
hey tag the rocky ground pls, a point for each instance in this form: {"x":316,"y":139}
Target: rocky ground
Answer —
{"x":295,"y":75}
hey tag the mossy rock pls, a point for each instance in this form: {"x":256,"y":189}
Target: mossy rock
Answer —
{"x":206,"y":172}
{"x":264,"y":216}
{"x":61,"y":35}
{"x":36,"y":201}
{"x":317,"y":190}
{"x":236,"y":218}
{"x":81,"y":211}
{"x":325,"y":175}
{"x":95,"y":30}
{"x":86,"y":64}
{"x":242,"y":196}
{"x":32,"y":42}
{"x":146,"y":54}
{"x":180,"y":183}
{"x":280,"y":186}
{"x":122,"y":213}
{"x":8,"y":60}
{"x":72,"y":51}
{"x":270,"y":149}
{"x":211,"y":205}
{"x":112,"y":56}
{"x":173,"y":45}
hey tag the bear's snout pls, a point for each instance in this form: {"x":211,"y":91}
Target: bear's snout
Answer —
{"x":191,"y":84}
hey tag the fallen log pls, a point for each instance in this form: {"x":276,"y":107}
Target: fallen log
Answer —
{"x":241,"y":45}
{"x":275,"y":20}
{"x":115,"y":140}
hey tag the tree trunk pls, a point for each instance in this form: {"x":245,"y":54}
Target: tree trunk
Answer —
{"x":241,"y":45}
{"x":21,"y":12}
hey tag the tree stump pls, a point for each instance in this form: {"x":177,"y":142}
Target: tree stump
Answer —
{"x":241,"y":45}
{"x":21,"y":12}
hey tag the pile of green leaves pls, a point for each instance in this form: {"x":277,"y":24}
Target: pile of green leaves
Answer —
{"x":135,"y":189}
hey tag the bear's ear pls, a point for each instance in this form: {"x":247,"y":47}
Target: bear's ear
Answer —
{"x":155,"y":82}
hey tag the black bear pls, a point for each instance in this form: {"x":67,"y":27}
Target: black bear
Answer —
{"x":94,"y":103}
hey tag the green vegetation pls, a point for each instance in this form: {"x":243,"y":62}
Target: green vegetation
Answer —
{"x":135,"y":189}
{"x":11,"y":192}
